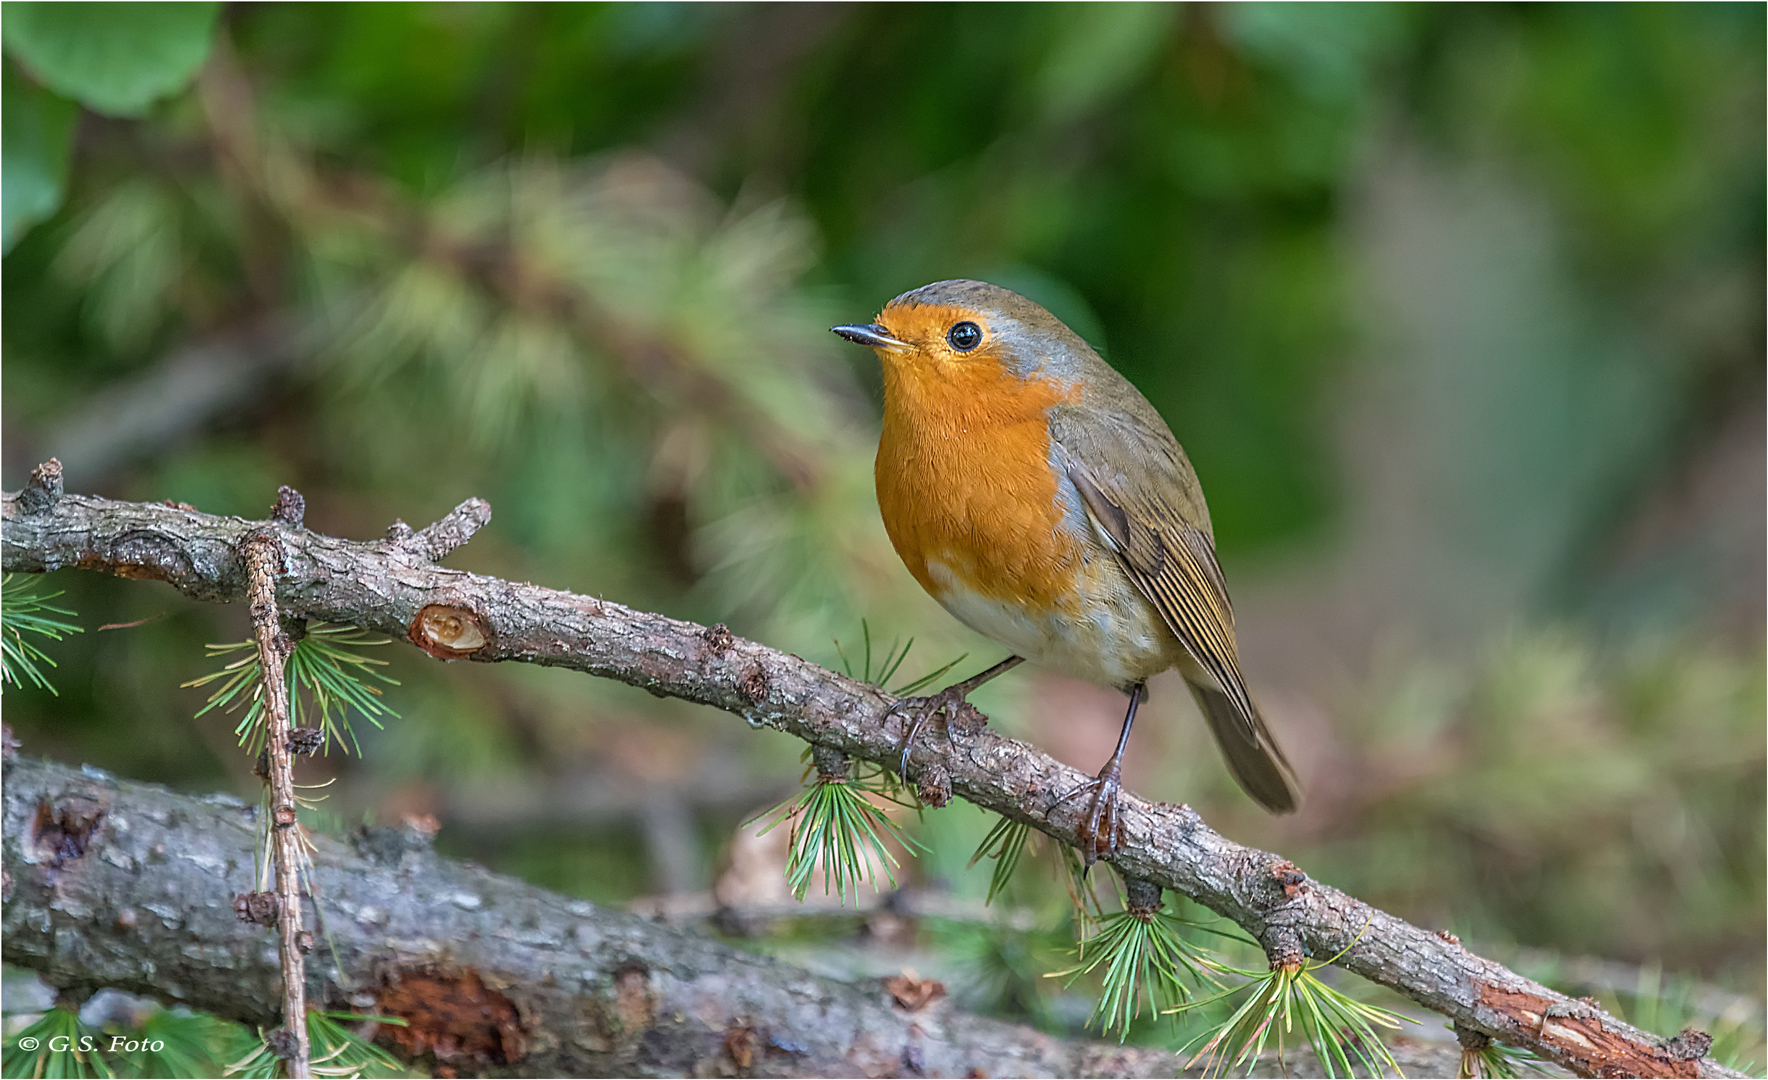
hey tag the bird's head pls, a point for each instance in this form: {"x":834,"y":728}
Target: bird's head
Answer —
{"x":951,"y":329}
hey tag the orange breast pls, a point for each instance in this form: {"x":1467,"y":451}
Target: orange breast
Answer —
{"x":964,"y":481}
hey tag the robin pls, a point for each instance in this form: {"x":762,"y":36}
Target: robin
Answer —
{"x":1042,"y":500}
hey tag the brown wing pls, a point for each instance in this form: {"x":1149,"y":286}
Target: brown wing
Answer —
{"x":1142,"y":496}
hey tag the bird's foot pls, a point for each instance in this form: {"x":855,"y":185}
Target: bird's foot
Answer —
{"x":1101,"y":831}
{"x":943,"y":708}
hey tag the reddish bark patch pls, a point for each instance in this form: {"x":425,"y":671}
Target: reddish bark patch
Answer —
{"x":742,"y":1044}
{"x":913,"y":994}
{"x":1289,"y":877}
{"x":454,"y":1016}
{"x":448,"y":632}
{"x":63,"y":833}
{"x":124,"y":570}
{"x":633,"y":1004}
{"x":1586,"y":1043}
{"x":934,"y":786}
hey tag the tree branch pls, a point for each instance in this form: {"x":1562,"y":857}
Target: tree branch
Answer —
{"x":122,"y":884}
{"x":262,"y":555}
{"x":451,"y":614}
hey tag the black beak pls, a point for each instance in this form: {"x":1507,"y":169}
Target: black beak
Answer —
{"x":871,"y":334}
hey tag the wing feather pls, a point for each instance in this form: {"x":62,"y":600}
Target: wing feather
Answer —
{"x":1140,"y":494}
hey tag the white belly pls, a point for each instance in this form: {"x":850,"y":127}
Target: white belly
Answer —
{"x":1109,"y":635}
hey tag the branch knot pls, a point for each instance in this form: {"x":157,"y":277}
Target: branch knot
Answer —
{"x":1141,"y":898}
{"x":1282,"y":945}
{"x":934,"y":785}
{"x":1689,"y":1045}
{"x":256,"y":907}
{"x":43,"y":489}
{"x":831,"y":764}
{"x":290,"y":508}
{"x":1472,"y":1040}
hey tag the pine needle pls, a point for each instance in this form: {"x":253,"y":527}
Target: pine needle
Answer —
{"x":889,"y":664}
{"x":23,"y":610}
{"x":338,"y":1052}
{"x":1339,"y":1029}
{"x":1005,"y":844}
{"x":325,"y":677}
{"x":1490,"y":1062}
{"x":61,"y":1042}
{"x":836,"y":828}
{"x":1143,"y":958}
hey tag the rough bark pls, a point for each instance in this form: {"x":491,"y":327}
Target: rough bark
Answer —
{"x":121,"y":884}
{"x":391,"y":587}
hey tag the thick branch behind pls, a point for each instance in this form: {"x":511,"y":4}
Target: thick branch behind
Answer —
{"x":114,"y":883}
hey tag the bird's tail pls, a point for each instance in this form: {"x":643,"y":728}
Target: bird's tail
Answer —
{"x":1253,"y":757}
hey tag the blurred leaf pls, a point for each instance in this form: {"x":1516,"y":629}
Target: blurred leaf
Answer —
{"x":1329,"y":47}
{"x":126,"y":249}
{"x":1101,"y":49}
{"x":35,"y":130}
{"x":113,"y":58}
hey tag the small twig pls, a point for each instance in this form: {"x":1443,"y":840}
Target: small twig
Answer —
{"x":443,"y":535}
{"x":131,"y":625}
{"x":262,"y":555}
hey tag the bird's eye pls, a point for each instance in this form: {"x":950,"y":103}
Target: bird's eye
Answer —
{"x":965,"y":336}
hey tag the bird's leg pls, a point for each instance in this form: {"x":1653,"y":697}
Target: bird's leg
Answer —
{"x":942,"y":706}
{"x":1102,"y":831}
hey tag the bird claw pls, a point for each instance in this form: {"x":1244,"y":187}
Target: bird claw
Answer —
{"x":921,"y":711}
{"x":1101,"y":831}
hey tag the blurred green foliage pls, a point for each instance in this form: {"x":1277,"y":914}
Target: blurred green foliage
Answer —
{"x":578,"y":259}
{"x":113,"y":59}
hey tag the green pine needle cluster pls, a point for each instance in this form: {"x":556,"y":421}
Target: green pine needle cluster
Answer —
{"x":1490,"y":1062}
{"x":327,"y":679}
{"x":57,"y":1028}
{"x":1005,"y":844}
{"x":1143,"y":958}
{"x":189,"y":1044}
{"x":178,"y":1042}
{"x":837,"y":827}
{"x":23,"y":610}
{"x":1666,"y":1005}
{"x":889,"y":664}
{"x":1339,"y":1029}
{"x":337,"y":1052}
{"x":837,"y":824}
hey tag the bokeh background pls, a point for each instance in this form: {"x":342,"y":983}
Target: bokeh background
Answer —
{"x":1458,"y":310}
